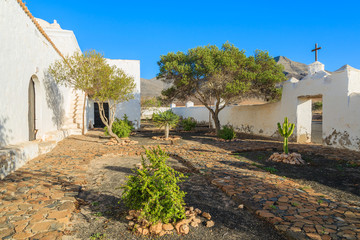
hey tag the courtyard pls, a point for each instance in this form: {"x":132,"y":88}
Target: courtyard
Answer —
{"x":261,"y":146}
{"x":73,"y":191}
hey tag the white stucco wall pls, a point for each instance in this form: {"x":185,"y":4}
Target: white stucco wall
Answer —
{"x":148,"y":112}
{"x":67,"y":43}
{"x":340,"y":92}
{"x":253,"y":119}
{"x":25,"y":53}
{"x":200,"y":114}
{"x":132,"y":107}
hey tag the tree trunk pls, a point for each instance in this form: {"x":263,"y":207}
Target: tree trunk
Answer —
{"x":108,"y":122}
{"x":167,"y":131}
{"x":215,"y":116}
{"x":113,"y":134}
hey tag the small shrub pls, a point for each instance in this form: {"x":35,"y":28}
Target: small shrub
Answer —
{"x":271,"y":170}
{"x":122,"y":128}
{"x":97,"y":236}
{"x":166,"y":119}
{"x":188,"y":124}
{"x":126,"y":119}
{"x":227,"y":133}
{"x":154,"y":189}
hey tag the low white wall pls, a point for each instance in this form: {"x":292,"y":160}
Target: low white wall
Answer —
{"x":200,"y":114}
{"x":255,"y":119}
{"x":148,"y":112}
{"x":340,"y":92}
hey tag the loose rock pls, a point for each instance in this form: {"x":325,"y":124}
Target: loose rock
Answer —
{"x":184,"y":229}
{"x":210,"y":224}
{"x":194,"y":224}
{"x":168,"y":227}
{"x":206,"y":215}
{"x":293,"y":158}
{"x":156,"y":229}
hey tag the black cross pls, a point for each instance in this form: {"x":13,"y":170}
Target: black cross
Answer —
{"x":315,"y":50}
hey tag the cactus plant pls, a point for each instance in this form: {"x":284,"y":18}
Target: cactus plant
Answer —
{"x":286,"y":131}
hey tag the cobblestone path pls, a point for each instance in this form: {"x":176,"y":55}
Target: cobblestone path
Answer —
{"x":38,"y":200}
{"x":297,"y":211}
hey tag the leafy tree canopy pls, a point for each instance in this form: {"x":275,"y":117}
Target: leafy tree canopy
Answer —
{"x":221,"y":74}
{"x":90,"y":72}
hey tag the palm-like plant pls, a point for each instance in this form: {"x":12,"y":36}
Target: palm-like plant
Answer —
{"x":166,"y":119}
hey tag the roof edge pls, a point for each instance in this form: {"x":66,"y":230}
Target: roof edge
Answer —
{"x":32,"y":18}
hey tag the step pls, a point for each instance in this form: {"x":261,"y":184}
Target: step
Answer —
{"x":45,"y":147}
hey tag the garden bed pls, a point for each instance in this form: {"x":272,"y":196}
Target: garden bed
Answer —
{"x":340,"y":180}
{"x":101,"y":217}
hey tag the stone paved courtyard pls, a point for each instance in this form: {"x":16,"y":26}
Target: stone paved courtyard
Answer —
{"x":39,"y":201}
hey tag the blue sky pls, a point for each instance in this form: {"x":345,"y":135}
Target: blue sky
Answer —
{"x":144,"y":30}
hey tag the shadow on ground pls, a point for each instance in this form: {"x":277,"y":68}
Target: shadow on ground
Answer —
{"x":103,"y":212}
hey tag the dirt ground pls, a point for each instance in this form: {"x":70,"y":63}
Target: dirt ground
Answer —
{"x":337,"y":179}
{"x":104,"y":214}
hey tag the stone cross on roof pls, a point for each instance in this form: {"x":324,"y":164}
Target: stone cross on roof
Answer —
{"x":315,"y":50}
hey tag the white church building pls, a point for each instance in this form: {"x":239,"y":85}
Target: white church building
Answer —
{"x":35,"y":112}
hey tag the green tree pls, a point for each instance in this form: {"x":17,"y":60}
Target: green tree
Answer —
{"x":114,"y":87}
{"x":89,"y":72}
{"x":166,"y":119}
{"x":221,"y":74}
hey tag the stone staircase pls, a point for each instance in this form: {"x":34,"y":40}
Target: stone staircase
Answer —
{"x":73,"y":119}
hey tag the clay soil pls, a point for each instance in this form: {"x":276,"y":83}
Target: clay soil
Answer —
{"x":102,"y":215}
{"x":338,"y":179}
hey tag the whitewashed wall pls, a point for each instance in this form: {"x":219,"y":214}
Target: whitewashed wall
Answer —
{"x":340,"y":92}
{"x":200,"y":114}
{"x":148,"y":112}
{"x":67,"y":43}
{"x":256,"y":119}
{"x":25,"y":53}
{"x":132,"y":107}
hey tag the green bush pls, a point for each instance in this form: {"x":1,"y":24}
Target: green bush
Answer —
{"x":188,"y":124}
{"x":154,"y":189}
{"x":130,"y":123}
{"x":227,"y":133}
{"x":122,"y":128}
